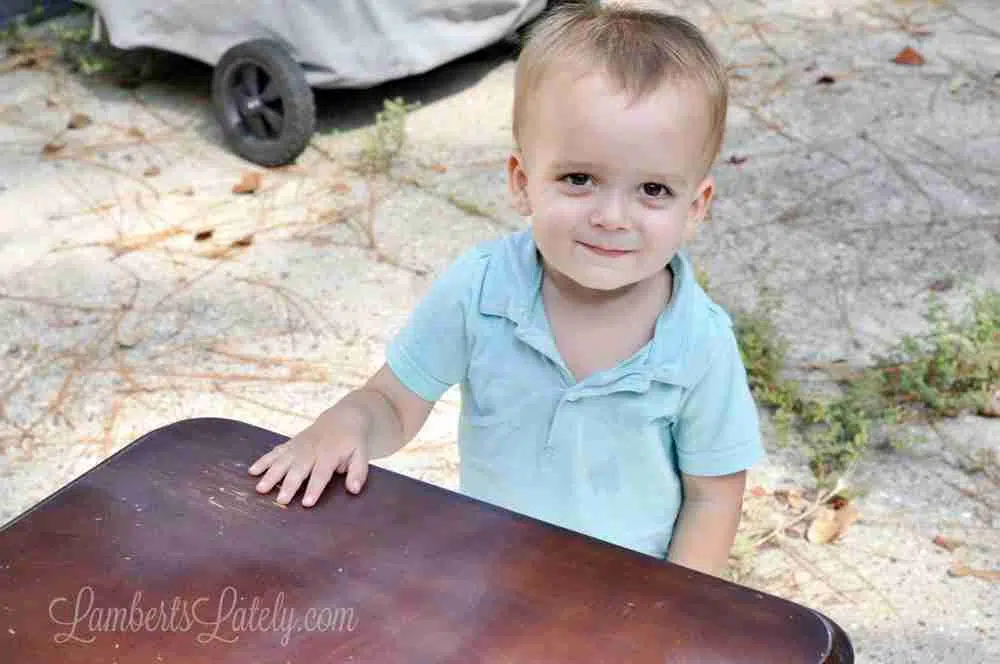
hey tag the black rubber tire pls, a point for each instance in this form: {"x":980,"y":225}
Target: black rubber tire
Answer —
{"x":263,"y":103}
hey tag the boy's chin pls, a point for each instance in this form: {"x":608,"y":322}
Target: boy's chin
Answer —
{"x":602,"y":282}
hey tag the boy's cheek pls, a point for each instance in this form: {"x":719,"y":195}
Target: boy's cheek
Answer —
{"x":558,"y":210}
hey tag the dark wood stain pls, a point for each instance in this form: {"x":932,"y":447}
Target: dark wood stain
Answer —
{"x":408,"y":572}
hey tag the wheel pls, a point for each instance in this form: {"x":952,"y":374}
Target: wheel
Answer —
{"x":263,"y":103}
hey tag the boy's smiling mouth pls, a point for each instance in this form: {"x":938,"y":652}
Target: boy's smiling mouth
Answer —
{"x":602,"y":251}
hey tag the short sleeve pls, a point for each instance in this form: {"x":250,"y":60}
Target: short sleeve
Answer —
{"x":430,"y":352}
{"x":717,"y":431}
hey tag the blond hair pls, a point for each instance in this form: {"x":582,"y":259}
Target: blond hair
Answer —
{"x":639,"y":49}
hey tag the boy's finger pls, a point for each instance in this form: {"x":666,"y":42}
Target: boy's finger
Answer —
{"x":293,"y":480}
{"x":320,"y":477}
{"x":265,"y":460}
{"x":357,"y":472}
{"x":273,"y":475}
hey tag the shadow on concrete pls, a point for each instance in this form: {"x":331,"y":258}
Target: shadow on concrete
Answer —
{"x":171,"y":81}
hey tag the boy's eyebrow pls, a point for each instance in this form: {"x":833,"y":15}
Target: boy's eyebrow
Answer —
{"x":586,"y":166}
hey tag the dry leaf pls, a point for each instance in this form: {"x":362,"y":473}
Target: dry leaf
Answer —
{"x":25,"y":60}
{"x":16,"y":62}
{"x":135,"y":132}
{"x":218,"y":253}
{"x":201,"y":236}
{"x":248,"y":184}
{"x":53,"y":147}
{"x":152,"y":171}
{"x":992,"y":406}
{"x":341,"y":187}
{"x":244,"y":241}
{"x":968,"y":493}
{"x":79,"y":121}
{"x":826,"y":80}
{"x":908,"y":56}
{"x":837,"y":502}
{"x":791,"y":497}
{"x":961,"y":569}
{"x":831,"y":523}
{"x":942,"y":285}
{"x":947,"y":543}
{"x":186,"y":191}
{"x":439,"y":168}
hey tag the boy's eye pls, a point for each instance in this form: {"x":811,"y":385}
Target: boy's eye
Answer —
{"x":656,"y":190}
{"x":577,"y":179}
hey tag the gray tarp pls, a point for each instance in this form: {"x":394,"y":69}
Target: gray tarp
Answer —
{"x":340,"y":43}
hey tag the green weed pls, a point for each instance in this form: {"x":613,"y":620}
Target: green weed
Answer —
{"x":954,"y":367}
{"x":951,"y":368}
{"x":386,"y":140}
{"x":69,"y":41}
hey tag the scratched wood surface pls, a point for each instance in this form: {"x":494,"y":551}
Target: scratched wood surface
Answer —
{"x":165,"y":553}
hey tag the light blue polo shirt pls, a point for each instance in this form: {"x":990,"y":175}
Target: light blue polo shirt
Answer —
{"x":601,"y":456}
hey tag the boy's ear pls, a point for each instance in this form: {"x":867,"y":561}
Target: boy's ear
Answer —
{"x":700,"y":205}
{"x":517,"y":183}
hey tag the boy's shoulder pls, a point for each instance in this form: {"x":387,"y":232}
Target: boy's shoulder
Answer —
{"x":708,"y":314}
{"x":507,"y":251}
{"x":497,"y":276}
{"x":694,"y":332}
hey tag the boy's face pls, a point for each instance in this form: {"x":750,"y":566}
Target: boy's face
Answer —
{"x":598,"y":173}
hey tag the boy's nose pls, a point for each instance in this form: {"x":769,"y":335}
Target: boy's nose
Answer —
{"x":611,"y":213}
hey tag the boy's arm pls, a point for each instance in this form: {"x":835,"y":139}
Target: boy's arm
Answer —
{"x":718,"y":437}
{"x":395,"y":414}
{"x":707,"y":522}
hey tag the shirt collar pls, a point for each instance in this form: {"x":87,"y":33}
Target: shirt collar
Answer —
{"x":512,"y":284}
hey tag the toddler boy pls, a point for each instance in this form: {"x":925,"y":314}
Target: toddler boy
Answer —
{"x":602,"y":390}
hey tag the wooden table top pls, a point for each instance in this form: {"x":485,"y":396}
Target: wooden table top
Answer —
{"x":164,"y":552}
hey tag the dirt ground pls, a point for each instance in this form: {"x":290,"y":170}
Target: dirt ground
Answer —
{"x":137,"y":289}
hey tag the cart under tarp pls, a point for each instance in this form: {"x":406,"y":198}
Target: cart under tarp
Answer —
{"x":347,"y":43}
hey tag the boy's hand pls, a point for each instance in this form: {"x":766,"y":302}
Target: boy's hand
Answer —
{"x":369,"y":423}
{"x":316,"y":453}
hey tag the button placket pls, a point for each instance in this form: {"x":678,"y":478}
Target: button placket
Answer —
{"x":549,"y":448}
